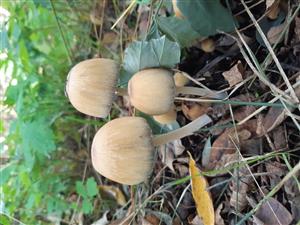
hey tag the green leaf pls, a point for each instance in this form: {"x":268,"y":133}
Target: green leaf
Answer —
{"x":178,"y":30}
{"x":91,"y":187}
{"x":80,"y":189}
{"x":206,"y":17}
{"x":5,"y":220}
{"x":87,"y":206}
{"x":30,"y":201}
{"x":6,"y":173}
{"x":159,"y":52}
{"x":38,"y":136}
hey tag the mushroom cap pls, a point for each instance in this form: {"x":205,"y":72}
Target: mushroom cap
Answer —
{"x":91,"y":85}
{"x":122,"y":150}
{"x":168,"y":117}
{"x":180,"y":79}
{"x":152,"y":91}
{"x":208,"y":45}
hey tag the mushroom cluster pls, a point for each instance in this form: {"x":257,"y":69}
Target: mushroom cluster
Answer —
{"x":123,"y":149}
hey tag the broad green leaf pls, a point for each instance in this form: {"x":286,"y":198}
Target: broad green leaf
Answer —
{"x":37,"y":136}
{"x":87,"y":206}
{"x":5,"y":220}
{"x":80,"y":189}
{"x":178,"y":30}
{"x":91,"y":186}
{"x":207,"y":17}
{"x":30,"y":201}
{"x":159,"y":52}
{"x":6,"y":173}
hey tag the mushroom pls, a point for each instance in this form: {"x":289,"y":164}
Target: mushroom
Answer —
{"x":168,"y":117}
{"x":153,"y":91}
{"x":91,"y":85}
{"x":123,"y":149}
{"x":180,"y":79}
{"x":208,"y":45}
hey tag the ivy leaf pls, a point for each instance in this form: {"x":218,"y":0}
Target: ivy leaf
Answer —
{"x":91,"y":186}
{"x":87,"y":206}
{"x":159,"y":52}
{"x":206,"y":17}
{"x":178,"y":30}
{"x":80,"y":189}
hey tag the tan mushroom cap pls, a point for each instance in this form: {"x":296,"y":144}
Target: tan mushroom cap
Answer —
{"x":122,"y":150}
{"x":152,"y":91}
{"x":91,"y":85}
{"x":168,"y":117}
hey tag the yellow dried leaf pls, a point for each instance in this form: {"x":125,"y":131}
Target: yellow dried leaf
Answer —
{"x":201,"y":195}
{"x":115,"y":192}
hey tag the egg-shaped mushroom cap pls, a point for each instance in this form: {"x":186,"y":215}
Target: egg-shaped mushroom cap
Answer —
{"x":122,"y":150}
{"x":91,"y":85}
{"x":152,"y":91}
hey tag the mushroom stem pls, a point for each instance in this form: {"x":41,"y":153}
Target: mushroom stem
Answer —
{"x":182,"y":132}
{"x":200,"y":92}
{"x":121,"y":91}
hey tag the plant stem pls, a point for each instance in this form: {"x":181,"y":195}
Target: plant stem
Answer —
{"x":121,"y":91}
{"x":200,"y":92}
{"x":182,"y":132}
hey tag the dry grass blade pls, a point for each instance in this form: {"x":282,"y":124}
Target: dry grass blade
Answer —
{"x":271,"y":193}
{"x":283,"y":74}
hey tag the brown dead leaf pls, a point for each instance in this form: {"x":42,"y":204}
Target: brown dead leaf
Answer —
{"x":276,"y":170}
{"x":114,"y":192}
{"x":293,"y":194}
{"x":297,"y":29}
{"x":275,"y":32}
{"x":196,"y":221}
{"x":194,"y":110}
{"x":242,"y":112}
{"x":265,"y":214}
{"x":219,"y":219}
{"x":150,"y":219}
{"x":224,"y":144}
{"x":273,"y":9}
{"x":239,"y":187}
{"x":274,"y":117}
{"x":280,"y":139}
{"x":234,"y":75}
{"x":269,"y":3}
{"x":201,"y":195}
